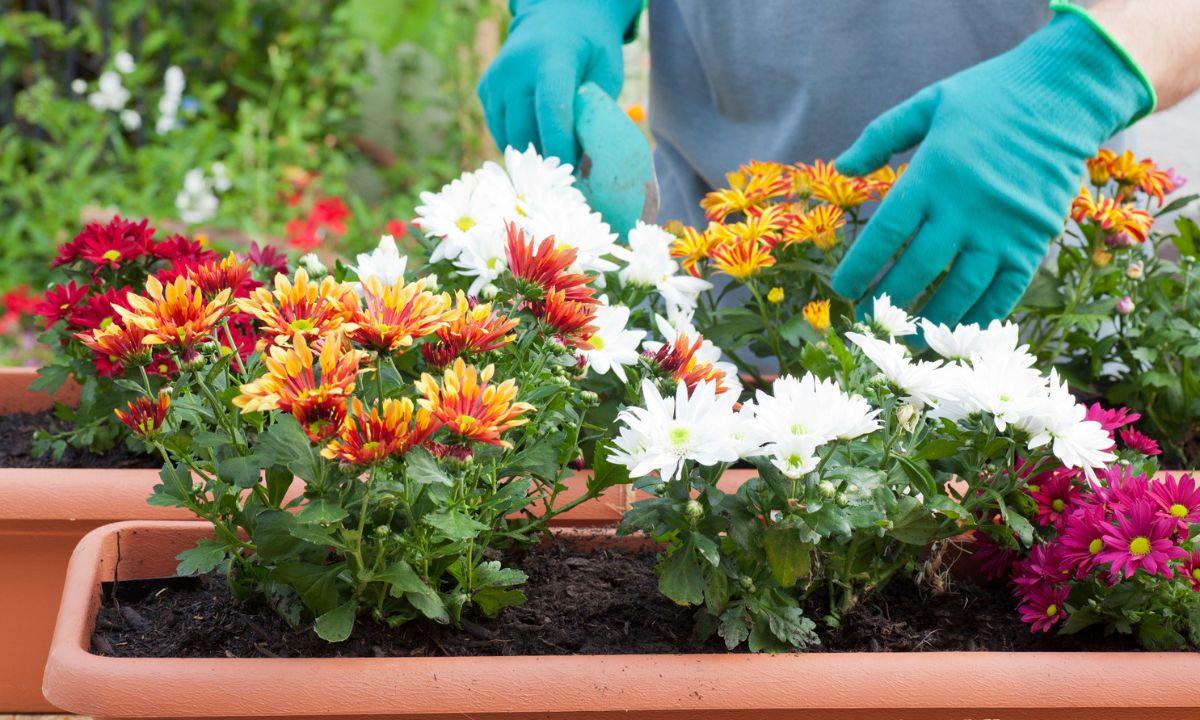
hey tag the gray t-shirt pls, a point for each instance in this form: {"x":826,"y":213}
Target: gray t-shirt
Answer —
{"x":797,"y":80}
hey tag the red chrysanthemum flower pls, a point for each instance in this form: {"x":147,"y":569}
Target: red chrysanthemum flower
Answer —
{"x":1043,"y":605}
{"x":546,"y":267}
{"x":570,"y":319}
{"x":1056,"y":495}
{"x":60,"y":301}
{"x":369,"y":437}
{"x":99,"y":310}
{"x":1140,"y":540}
{"x":994,"y":560}
{"x":1120,"y":489}
{"x":117,"y":346}
{"x":1178,"y":498}
{"x":678,"y":360}
{"x":268,"y":259}
{"x":229,"y":273}
{"x":397,"y":315}
{"x":107,"y":245}
{"x":471,"y":328}
{"x":468,"y":405}
{"x":1140,"y":442}
{"x":179,"y":249}
{"x":175,"y":315}
{"x":1191,"y":570}
{"x":1081,"y":538}
{"x":145,"y":418}
{"x":1043,"y":565}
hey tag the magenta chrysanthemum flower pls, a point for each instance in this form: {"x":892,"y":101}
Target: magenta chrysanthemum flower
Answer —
{"x":1056,"y":495}
{"x":1043,"y":605}
{"x":1140,"y":539}
{"x":1111,"y":418}
{"x":1178,"y":498}
{"x":1081,"y":538}
{"x":1140,"y":442}
{"x":1121,"y":489}
{"x":1191,"y":570}
{"x":995,"y":561}
{"x":1043,"y":565}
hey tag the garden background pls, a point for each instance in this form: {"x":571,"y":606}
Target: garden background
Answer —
{"x":308,"y":125}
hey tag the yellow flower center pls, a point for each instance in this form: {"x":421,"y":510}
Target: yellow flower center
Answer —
{"x":1179,"y":511}
{"x":369,"y":447}
{"x":679,"y":436}
{"x":1196,"y":573}
{"x":302,"y":325}
{"x":1057,"y":505}
{"x":112,"y":255}
{"x":105,"y":323}
{"x":1051,"y":610}
{"x":1095,"y":546}
{"x":465,"y":223}
{"x":1139,"y":546}
{"x":596,"y":342}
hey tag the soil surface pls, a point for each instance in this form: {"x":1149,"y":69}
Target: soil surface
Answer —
{"x":17,"y":449}
{"x":603,"y":602}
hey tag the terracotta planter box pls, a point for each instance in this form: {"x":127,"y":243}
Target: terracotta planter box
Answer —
{"x":928,"y":686}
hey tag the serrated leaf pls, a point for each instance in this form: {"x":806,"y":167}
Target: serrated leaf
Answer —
{"x":242,"y":471}
{"x":455,"y":525}
{"x":337,"y":624}
{"x":492,"y":574}
{"x":605,"y":474}
{"x":322,"y":512}
{"x":423,"y":468}
{"x":317,"y":585}
{"x":204,"y":558}
{"x":788,"y":557}
{"x":492,"y":600}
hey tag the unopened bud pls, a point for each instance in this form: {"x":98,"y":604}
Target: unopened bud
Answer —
{"x":906,"y":416}
{"x":313,"y":266}
{"x":1135,"y":270}
{"x":842,"y":499}
{"x":1101,"y":257}
{"x":826,"y":488}
{"x":589,"y":397}
{"x":489,"y":291}
{"x":746,"y":583}
{"x":1125,"y":305}
{"x":693,"y":510}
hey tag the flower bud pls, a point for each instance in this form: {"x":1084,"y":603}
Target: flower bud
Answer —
{"x":489,"y":291}
{"x":208,"y":347}
{"x":842,"y":500}
{"x":1101,"y":257}
{"x":589,"y":397}
{"x":1125,"y":305}
{"x":906,"y":416}
{"x":826,"y":488}
{"x":382,"y":531}
{"x":556,"y":343}
{"x":746,"y":583}
{"x":432,"y":284}
{"x":313,"y":266}
{"x":693,"y":510}
{"x":878,"y":380}
{"x":1135,"y":270}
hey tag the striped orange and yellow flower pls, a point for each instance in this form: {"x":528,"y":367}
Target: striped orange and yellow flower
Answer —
{"x":468,"y":405}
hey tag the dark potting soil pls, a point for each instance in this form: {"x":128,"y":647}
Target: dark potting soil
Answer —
{"x":601,"y":602}
{"x":17,"y":450}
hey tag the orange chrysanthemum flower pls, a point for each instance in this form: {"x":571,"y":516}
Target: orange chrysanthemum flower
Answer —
{"x":228,"y":273}
{"x":1127,"y":169}
{"x":835,"y":188}
{"x":762,"y":223}
{"x":1111,"y":216}
{"x":742,"y":258}
{"x":571,"y":319}
{"x":678,"y":360}
{"x":1098,"y":167}
{"x":471,"y":328}
{"x":545,"y":266}
{"x":119,"y":344}
{"x":880,"y":182}
{"x":397,"y":315}
{"x":1157,"y":183}
{"x":767,"y":173}
{"x":175,"y":315}
{"x":693,"y":246}
{"x":143,"y":417}
{"x":290,"y":384}
{"x":818,"y":226}
{"x":720,"y":204}
{"x":816,"y":313}
{"x":303,"y":308}
{"x":469,"y":406}
{"x":369,"y":437}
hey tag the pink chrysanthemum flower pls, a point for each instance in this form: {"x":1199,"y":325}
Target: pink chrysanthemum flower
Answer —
{"x":1043,"y":605}
{"x":1056,"y":495}
{"x":995,"y":561}
{"x":1191,"y":570}
{"x":1178,"y":498}
{"x":1081,"y":538}
{"x":1120,"y":489}
{"x":1042,"y":566}
{"x":1111,"y":418}
{"x":1140,"y":540}
{"x":1140,"y":442}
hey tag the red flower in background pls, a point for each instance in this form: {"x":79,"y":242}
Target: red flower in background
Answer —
{"x":396,"y":228}
{"x":18,"y":302}
{"x":60,"y":301}
{"x":107,"y":245}
{"x":327,"y":216}
{"x":179,"y":249}
{"x":99,"y":310}
{"x":1140,"y":442}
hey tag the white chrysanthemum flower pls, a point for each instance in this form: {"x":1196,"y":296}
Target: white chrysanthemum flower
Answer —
{"x":572,"y":224}
{"x":613,"y":346}
{"x":123,"y":62}
{"x":173,"y":80}
{"x":196,"y":203}
{"x":1074,"y":440}
{"x":532,"y":175}
{"x":130,"y":119}
{"x":964,"y":341}
{"x":1001,"y":384}
{"x":384,"y":262}
{"x":481,"y":257}
{"x":665,"y":433}
{"x":78,"y":86}
{"x":681,"y":325}
{"x":648,"y":263}
{"x":924,"y":382}
{"x":891,"y":319}
{"x":794,"y":456}
{"x":313,"y":265}
{"x":463,"y":210}
{"x":220,"y":177}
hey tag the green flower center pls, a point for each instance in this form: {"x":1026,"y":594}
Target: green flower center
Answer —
{"x":1051,"y":610}
{"x":465,"y":223}
{"x":112,"y":255}
{"x":1196,"y":573}
{"x":1035,"y":488}
{"x":302,"y":325}
{"x":1095,"y":546}
{"x":1179,"y":511}
{"x":1139,"y":546}
{"x":679,"y":436}
{"x":1057,"y":505}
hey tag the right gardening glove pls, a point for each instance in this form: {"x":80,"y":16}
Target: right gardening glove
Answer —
{"x":1002,"y":151}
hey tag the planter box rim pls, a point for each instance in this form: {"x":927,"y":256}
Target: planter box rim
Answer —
{"x":535,"y":685}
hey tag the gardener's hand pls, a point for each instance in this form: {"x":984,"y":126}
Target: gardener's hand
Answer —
{"x":1002,"y":151}
{"x":553,"y":47}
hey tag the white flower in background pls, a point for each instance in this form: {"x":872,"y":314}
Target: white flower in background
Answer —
{"x":384,"y":262}
{"x":964,"y":341}
{"x":196,"y":203}
{"x":168,"y":104}
{"x":313,"y":265}
{"x":110,"y":93}
{"x":572,"y":224}
{"x":924,"y":382}
{"x":465,"y":208}
{"x":531,"y":174}
{"x":481,"y":259}
{"x":681,"y":325}
{"x":1074,"y":440}
{"x":173,"y":80}
{"x":613,"y":345}
{"x":666,"y":432}
{"x":891,"y":319}
{"x":220,"y":177}
{"x":648,"y":263}
{"x":130,"y":119}
{"x":123,"y":62}
{"x":78,"y":86}
{"x":795,"y":456}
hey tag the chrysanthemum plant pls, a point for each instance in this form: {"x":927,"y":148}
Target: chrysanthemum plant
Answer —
{"x":86,"y":317}
{"x":773,"y":239}
{"x":1117,"y":310}
{"x":869,"y":465}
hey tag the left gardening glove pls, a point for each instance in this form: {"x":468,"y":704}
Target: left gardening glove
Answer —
{"x":1002,"y":151}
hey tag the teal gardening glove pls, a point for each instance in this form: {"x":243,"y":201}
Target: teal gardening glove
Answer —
{"x":553,"y":47}
{"x":1002,"y":152}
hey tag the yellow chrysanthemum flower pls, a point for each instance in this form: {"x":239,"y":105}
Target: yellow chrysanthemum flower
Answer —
{"x":818,"y":226}
{"x":775,"y":295}
{"x":397,"y":315}
{"x":469,"y":406}
{"x":369,"y":437}
{"x":176,"y":314}
{"x":305,"y":308}
{"x":816,"y":313}
{"x":742,"y":258}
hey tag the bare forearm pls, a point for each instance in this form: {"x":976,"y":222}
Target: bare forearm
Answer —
{"x":1163,"y":37}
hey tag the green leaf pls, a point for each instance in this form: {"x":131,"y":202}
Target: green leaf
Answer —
{"x":492,"y":600}
{"x":423,"y":468}
{"x":317,"y":585}
{"x":322,"y":512}
{"x":204,"y":558}
{"x":1021,"y":526}
{"x":682,"y":580}
{"x":50,"y":378}
{"x":1154,"y":634}
{"x":491,"y":574}
{"x":817,"y":361}
{"x":430,"y":604}
{"x":242,"y":471}
{"x":401,"y":578}
{"x":912,"y":523}
{"x":284,"y":443}
{"x":787,"y":555}
{"x":273,"y":538}
{"x":337,"y":624}
{"x":918,"y":475}
{"x":176,"y":487}
{"x":605,"y":474}
{"x":735,"y":627}
{"x":455,"y":525}
{"x":539,"y":460}
{"x":1189,"y":234}
{"x":1177,"y":204}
